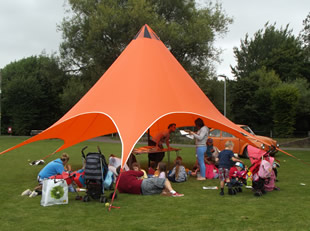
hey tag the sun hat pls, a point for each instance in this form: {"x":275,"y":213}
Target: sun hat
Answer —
{"x":239,"y":164}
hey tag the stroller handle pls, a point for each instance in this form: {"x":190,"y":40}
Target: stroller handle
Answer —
{"x":83,"y":149}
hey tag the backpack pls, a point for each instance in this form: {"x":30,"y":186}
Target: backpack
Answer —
{"x":265,"y":169}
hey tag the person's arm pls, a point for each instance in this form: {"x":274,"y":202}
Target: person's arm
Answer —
{"x":167,"y":141}
{"x":135,"y":173}
{"x":236,"y":159}
{"x":172,"y":173}
{"x":203,"y":132}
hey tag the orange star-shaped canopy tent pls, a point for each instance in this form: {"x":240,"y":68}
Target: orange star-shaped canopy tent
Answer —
{"x":145,"y":88}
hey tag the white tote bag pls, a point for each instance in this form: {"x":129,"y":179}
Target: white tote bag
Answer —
{"x":54,"y":192}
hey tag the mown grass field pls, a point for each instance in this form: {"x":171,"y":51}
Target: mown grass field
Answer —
{"x":287,"y":209}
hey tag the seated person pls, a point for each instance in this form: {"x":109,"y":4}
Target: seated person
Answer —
{"x":136,"y":167}
{"x":162,"y":170}
{"x":211,"y":169}
{"x":234,"y":174}
{"x":114,"y":163}
{"x":129,"y":182}
{"x":151,"y":170}
{"x":178,"y":173}
{"x":212,"y":151}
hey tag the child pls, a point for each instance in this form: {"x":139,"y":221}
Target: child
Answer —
{"x":151,"y":170}
{"x":234,"y":174}
{"x":211,"y":169}
{"x":226,"y":159}
{"x":212,"y":151}
{"x":178,"y":173}
{"x":136,"y":167}
{"x":162,"y":170}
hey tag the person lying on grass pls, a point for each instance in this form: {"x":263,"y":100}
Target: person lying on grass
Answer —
{"x":129,"y":182}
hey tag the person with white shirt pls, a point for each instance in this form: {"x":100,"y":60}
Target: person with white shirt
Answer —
{"x":201,"y":137}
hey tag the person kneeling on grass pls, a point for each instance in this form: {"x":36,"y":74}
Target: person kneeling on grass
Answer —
{"x":52,"y":168}
{"x":129,"y":182}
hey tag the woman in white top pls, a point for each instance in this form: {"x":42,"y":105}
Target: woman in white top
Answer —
{"x":201,"y":137}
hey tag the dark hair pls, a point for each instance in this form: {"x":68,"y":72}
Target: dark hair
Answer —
{"x":170,"y":125}
{"x":135,"y":164}
{"x":199,"y":123}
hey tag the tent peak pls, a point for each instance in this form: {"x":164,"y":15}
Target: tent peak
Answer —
{"x":146,"y":32}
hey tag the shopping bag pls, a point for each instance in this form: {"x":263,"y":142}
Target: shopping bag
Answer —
{"x":54,"y":192}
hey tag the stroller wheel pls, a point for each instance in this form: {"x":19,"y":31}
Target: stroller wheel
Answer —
{"x":111,"y":195}
{"x":103,"y":199}
{"x":86,"y":198}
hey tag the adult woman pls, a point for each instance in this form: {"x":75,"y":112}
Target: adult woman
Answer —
{"x":201,"y":137}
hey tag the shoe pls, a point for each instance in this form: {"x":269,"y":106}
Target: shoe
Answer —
{"x":33,"y":194}
{"x":222,"y":193}
{"x":177,"y":194}
{"x":26,"y":192}
{"x":201,"y":178}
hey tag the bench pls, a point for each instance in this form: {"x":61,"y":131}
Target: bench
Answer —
{"x":35,"y":132}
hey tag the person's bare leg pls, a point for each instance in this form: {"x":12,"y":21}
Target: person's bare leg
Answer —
{"x":168,"y":185}
{"x":222,"y":184}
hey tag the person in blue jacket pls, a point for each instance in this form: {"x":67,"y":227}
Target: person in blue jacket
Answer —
{"x":52,"y":168}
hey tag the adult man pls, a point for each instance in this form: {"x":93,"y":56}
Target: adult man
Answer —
{"x":129,"y":182}
{"x":162,"y":137}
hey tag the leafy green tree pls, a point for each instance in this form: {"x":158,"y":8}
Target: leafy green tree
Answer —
{"x":250,"y":99}
{"x":284,"y":101}
{"x":275,"y":49}
{"x":72,"y":93}
{"x":305,"y":35}
{"x":98,"y":31}
{"x":30,"y":93}
{"x":303,"y":107}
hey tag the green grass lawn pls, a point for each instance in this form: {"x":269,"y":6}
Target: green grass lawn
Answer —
{"x":287,"y":209}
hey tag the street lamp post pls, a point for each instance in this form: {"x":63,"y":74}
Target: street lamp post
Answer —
{"x":224,"y":76}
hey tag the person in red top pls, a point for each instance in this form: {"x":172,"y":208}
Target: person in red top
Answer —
{"x":129,"y":182}
{"x":234,"y":174}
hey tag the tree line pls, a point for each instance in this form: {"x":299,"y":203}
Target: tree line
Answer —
{"x":270,"y":89}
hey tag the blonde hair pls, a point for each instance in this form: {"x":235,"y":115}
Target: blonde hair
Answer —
{"x":64,"y":157}
{"x":229,"y":144}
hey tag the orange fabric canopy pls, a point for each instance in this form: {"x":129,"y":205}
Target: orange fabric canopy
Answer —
{"x":145,"y":88}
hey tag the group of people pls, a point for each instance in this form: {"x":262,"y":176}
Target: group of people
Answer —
{"x":211,"y":163}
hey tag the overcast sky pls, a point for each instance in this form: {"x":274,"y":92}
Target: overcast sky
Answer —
{"x":28,"y":27}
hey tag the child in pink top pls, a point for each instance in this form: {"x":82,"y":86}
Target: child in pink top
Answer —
{"x":211,"y":169}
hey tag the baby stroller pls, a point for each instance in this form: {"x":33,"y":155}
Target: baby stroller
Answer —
{"x":96,"y":169}
{"x":261,"y":169}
